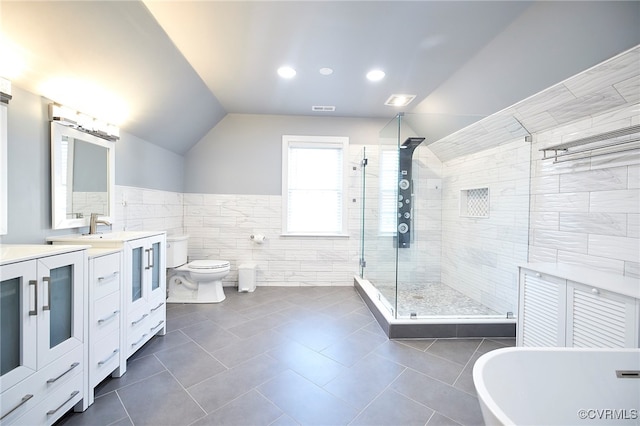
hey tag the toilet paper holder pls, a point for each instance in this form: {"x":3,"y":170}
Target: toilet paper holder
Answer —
{"x":258,"y":238}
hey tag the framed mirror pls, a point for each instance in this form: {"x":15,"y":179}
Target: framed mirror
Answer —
{"x":82,"y":177}
{"x":3,"y":169}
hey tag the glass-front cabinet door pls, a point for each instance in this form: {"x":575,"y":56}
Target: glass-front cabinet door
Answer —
{"x":136,"y":261}
{"x":137,"y":273}
{"x":157,"y":268}
{"x":18,"y":324}
{"x":60,"y":318}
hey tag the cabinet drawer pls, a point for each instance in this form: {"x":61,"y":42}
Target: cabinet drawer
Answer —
{"x":106,"y":275}
{"x":56,"y":404}
{"x":137,"y":338}
{"x":106,"y":316}
{"x":137,"y":329}
{"x":137,"y":319}
{"x":105,"y":357}
{"x":39,"y":386}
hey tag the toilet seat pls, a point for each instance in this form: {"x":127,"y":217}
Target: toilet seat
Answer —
{"x":208,"y":264}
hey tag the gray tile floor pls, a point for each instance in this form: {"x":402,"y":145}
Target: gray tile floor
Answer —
{"x":287,"y":356}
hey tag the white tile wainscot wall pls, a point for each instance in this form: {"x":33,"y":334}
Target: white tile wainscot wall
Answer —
{"x":585,"y":212}
{"x":139,"y":209}
{"x":220,"y":226}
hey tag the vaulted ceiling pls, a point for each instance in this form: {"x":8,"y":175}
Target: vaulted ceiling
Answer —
{"x":169,"y":71}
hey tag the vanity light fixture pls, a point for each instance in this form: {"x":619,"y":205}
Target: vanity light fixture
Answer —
{"x":5,"y":90}
{"x":83,"y":122}
{"x":399,"y":100}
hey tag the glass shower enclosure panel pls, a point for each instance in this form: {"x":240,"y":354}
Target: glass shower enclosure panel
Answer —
{"x":446,"y":217}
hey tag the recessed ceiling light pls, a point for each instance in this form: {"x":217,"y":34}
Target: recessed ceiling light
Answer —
{"x":399,"y":100}
{"x":375,"y":75}
{"x":326,"y":71}
{"x":286,"y":72}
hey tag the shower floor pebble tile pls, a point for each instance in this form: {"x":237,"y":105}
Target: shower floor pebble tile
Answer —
{"x":318,"y":357}
{"x":432,"y":298}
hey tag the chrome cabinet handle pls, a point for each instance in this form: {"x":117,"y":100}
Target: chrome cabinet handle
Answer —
{"x":157,"y":307}
{"x":139,"y":319}
{"x":74,"y":393}
{"x":107,"y":359}
{"x":151,"y":264}
{"x":157,"y":325}
{"x":139,"y":340}
{"x":108,"y":277}
{"x":148,"y":251}
{"x":101,"y":320}
{"x":74,"y":365}
{"x":22,"y":401}
{"x":34,"y":311}
{"x":47,"y":281}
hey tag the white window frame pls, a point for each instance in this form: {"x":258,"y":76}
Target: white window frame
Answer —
{"x":341,"y":142}
{"x":388,"y":192}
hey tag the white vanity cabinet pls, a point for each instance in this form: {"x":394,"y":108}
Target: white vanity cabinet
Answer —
{"x":106,"y":336}
{"x":562,"y":305}
{"x":145,"y":267}
{"x":42,"y":330}
{"x":143,"y":285}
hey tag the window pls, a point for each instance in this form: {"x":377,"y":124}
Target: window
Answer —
{"x":313,"y":185}
{"x":388,"y":192}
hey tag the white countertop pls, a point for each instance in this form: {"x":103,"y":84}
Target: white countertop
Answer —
{"x":118,"y":236}
{"x":12,"y":253}
{"x":101,"y":251}
{"x":621,"y":284}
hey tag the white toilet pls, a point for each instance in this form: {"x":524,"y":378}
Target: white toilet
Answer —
{"x":199,"y":281}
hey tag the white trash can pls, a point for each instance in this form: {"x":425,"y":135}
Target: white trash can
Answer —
{"x":247,"y":277}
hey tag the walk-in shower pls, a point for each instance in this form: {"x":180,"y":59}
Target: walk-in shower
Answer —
{"x":444,"y":224}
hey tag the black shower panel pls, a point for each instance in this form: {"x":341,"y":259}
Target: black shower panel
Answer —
{"x":405,"y":191}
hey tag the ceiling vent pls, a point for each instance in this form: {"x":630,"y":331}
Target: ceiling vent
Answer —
{"x":399,"y":100}
{"x":323,"y":108}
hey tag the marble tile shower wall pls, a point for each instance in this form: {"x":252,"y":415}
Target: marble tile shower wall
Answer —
{"x":586,"y":212}
{"x":480,"y":255}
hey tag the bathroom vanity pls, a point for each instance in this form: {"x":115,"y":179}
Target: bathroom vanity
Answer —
{"x":43,"y":337}
{"x":106,"y":337}
{"x":566,"y":305}
{"x":143,"y":283}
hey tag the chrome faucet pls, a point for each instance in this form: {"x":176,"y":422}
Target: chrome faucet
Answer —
{"x":94,"y":221}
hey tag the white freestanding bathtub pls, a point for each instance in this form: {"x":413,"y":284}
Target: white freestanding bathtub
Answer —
{"x":559,"y":386}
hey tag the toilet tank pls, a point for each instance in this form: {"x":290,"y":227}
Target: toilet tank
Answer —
{"x":177,"y":250}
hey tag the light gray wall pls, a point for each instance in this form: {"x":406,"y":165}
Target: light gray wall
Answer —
{"x":144,"y":165}
{"x":243,"y":153}
{"x":138,"y":163}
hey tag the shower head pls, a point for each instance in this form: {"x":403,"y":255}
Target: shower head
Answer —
{"x":412,"y":143}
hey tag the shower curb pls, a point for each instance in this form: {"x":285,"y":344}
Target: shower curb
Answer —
{"x":423,"y":329}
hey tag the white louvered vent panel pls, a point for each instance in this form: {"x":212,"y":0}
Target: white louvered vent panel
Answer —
{"x":597,"y":321}
{"x":540,"y":316}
